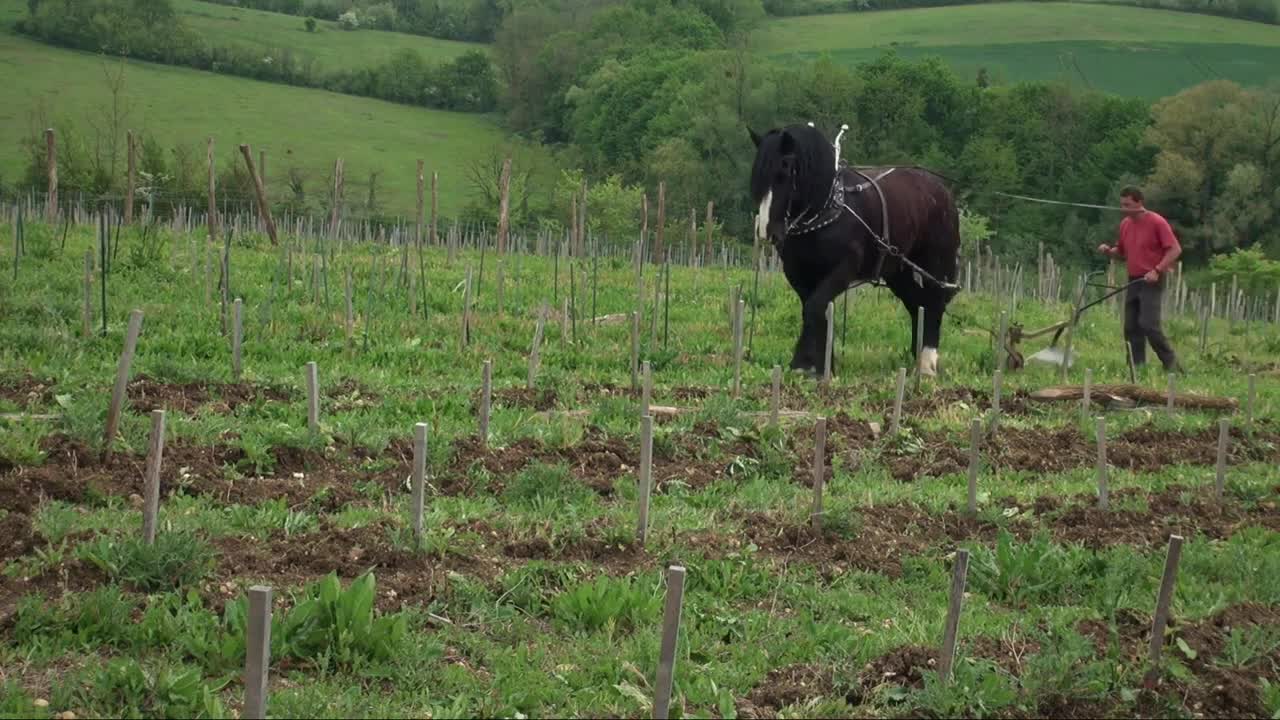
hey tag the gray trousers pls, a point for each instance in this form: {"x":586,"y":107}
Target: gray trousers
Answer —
{"x":1142,"y":323}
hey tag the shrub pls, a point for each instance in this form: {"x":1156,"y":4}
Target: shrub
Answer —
{"x":311,"y":24}
{"x":349,"y":20}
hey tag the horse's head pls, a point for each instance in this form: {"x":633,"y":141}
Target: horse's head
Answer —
{"x":792,"y":173}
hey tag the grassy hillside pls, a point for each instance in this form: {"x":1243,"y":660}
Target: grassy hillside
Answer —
{"x":332,"y":47}
{"x":1127,"y":50}
{"x":309,"y":127}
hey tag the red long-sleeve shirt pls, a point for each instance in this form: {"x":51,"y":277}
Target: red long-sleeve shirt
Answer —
{"x":1144,"y":239}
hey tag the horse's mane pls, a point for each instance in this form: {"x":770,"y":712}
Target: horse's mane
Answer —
{"x":815,"y":161}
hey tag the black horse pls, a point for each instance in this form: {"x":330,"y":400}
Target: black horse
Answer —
{"x":832,"y":234}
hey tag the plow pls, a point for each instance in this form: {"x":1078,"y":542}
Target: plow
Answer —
{"x":1015,"y":334}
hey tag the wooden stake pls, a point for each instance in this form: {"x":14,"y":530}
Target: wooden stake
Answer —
{"x":1104,"y":496}
{"x":122,"y":379}
{"x":313,"y":398}
{"x":958,"y":578}
{"x":1172,"y":392}
{"x":710,"y":221}
{"x":900,"y":387}
{"x":1002,"y":357}
{"x":486,"y":395}
{"x":350,"y":319}
{"x":260,"y":191}
{"x":919,"y":343}
{"x":504,"y":193}
{"x":1163,"y":601}
{"x":151,"y":491}
{"x":257,"y":661}
{"x":51,"y":158}
{"x":132,"y":179}
{"x":466,"y":310}
{"x":997,"y":380}
{"x":828,"y":353}
{"x":670,"y":634}
{"x":1224,"y":434}
{"x":739,"y":312}
{"x":237,"y":337}
{"x":419,"y":476}
{"x":819,"y":471}
{"x":212,"y":222}
{"x":537,"y":345}
{"x":647,"y":391}
{"x":1086,"y":401}
{"x":1253,"y":393}
{"x":775,"y":403}
{"x":635,"y":350}
{"x":975,"y":462}
{"x":646,"y":477}
{"x":87,"y":320}
{"x":658,"y":246}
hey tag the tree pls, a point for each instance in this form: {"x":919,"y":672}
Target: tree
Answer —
{"x":311,"y":24}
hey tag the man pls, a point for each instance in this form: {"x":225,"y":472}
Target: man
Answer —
{"x":1149,"y":249}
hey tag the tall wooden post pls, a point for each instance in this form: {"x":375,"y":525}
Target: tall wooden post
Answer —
{"x":212,"y":222}
{"x":417,"y":236}
{"x":264,"y":210}
{"x":51,"y":200}
{"x":710,"y":220}
{"x":337,"y":198}
{"x":504,"y":191}
{"x":662,"y":222}
{"x":133,"y":167}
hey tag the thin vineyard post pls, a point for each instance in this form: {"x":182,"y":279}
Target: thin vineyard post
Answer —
{"x":958,"y":578}
{"x":132,"y":178}
{"x":900,"y":387}
{"x":975,"y":462}
{"x":486,"y":395}
{"x":1103,"y":494}
{"x":151,"y":491}
{"x":646,"y":392}
{"x":739,"y":311}
{"x":350,"y":310}
{"x":1002,"y":358}
{"x":819,"y":471}
{"x":1163,"y":600}
{"x":237,"y":337}
{"x":87,"y":319}
{"x":1252,"y":398}
{"x":1172,"y":393}
{"x":257,"y":660}
{"x":775,"y":402}
{"x":646,"y":478}
{"x":997,"y":380}
{"x":919,"y":344}
{"x":1086,"y":401}
{"x":419,"y":477}
{"x":537,"y":345}
{"x":313,"y":397}
{"x":466,"y":310}
{"x":635,"y":350}
{"x":1204,"y":328}
{"x":212,"y":222}
{"x":51,"y":159}
{"x":122,"y":379}
{"x":828,"y":353}
{"x":670,"y":634}
{"x":1224,"y":434}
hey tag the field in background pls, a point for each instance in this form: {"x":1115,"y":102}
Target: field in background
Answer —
{"x":1125,"y":50}
{"x":528,"y":592}
{"x":333,"y":48}
{"x":298,"y":127}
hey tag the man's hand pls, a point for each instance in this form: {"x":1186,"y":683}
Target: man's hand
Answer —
{"x":1105,"y":249}
{"x":1152,"y":277}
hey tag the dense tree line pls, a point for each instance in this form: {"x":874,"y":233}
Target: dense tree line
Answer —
{"x":470,"y":20}
{"x":151,"y":30}
{"x":1256,"y":10}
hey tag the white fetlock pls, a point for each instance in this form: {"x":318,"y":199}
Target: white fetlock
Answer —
{"x":929,"y":362}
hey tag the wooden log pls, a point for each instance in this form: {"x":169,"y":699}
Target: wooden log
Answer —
{"x":1130,"y":394}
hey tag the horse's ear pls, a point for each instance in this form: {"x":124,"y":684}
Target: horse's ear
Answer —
{"x":755,"y":137}
{"x":788,"y":144}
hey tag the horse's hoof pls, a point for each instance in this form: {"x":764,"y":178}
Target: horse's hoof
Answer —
{"x":807,"y":371}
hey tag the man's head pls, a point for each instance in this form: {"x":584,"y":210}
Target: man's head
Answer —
{"x":1131,"y":201}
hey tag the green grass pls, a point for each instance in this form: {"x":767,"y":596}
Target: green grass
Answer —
{"x":571,"y":635}
{"x":295,"y":126}
{"x":330,"y":46}
{"x":1127,"y":50}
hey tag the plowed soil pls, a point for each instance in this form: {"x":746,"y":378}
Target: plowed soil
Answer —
{"x":146,"y":394}
{"x":1038,"y":450}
